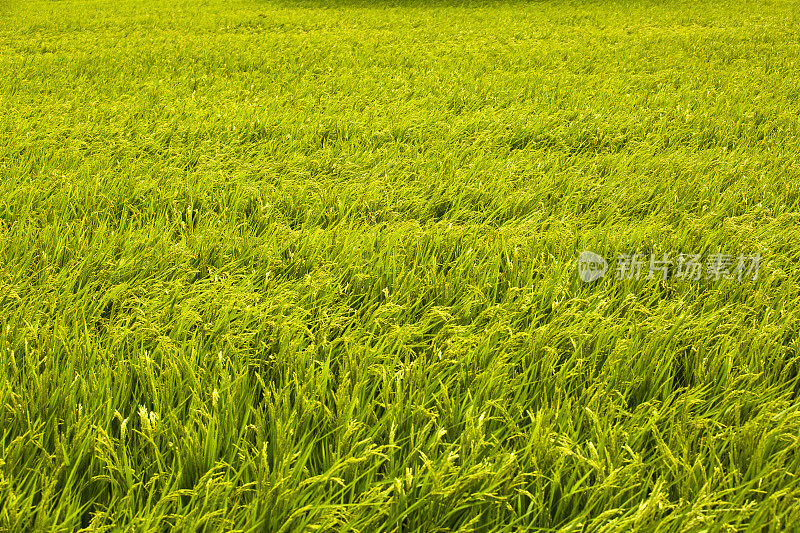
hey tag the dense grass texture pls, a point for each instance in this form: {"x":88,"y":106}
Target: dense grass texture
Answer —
{"x":311,"y":266}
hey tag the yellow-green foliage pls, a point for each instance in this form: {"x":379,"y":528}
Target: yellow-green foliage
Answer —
{"x":310,"y":266}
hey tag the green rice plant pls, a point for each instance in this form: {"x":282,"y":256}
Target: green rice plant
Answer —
{"x":312,"y":266}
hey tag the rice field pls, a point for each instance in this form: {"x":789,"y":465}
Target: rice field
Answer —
{"x":314,"y":265}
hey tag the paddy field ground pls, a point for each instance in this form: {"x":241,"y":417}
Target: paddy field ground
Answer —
{"x":312,"y":266}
